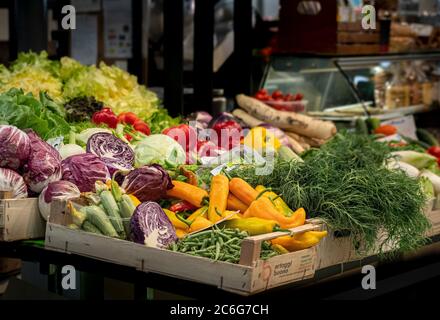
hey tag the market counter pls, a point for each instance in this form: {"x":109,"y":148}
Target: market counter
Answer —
{"x":394,"y":277}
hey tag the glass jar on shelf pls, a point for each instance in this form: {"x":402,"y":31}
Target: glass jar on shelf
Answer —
{"x":397,"y":90}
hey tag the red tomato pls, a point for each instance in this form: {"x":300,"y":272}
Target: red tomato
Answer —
{"x":434,"y":151}
{"x":289,"y":97}
{"x":277,"y":94}
{"x":299,"y":97}
{"x":263,"y":91}
{"x":142,"y":127}
{"x":128,"y":137}
{"x":260,"y":96}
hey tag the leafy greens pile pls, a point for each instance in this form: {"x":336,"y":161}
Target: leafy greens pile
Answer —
{"x":346,"y":184}
{"x":24,"y":111}
{"x":68,"y":79}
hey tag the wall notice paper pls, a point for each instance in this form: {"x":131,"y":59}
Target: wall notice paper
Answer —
{"x":84,"y":40}
{"x":4,"y":25}
{"x":86,"y":5}
{"x":117,"y":29}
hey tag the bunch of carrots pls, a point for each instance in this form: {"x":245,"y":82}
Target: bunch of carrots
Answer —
{"x":238,"y":205}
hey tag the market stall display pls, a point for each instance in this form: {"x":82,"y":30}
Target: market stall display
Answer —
{"x":165,"y":192}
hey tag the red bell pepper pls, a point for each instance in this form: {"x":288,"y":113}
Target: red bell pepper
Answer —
{"x":228,"y":134}
{"x":182,"y":206}
{"x":184,"y":134}
{"x":434,"y":151}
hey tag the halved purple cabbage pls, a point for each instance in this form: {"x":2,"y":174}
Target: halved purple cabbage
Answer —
{"x":84,"y":170}
{"x":43,"y":165}
{"x":150,"y":226}
{"x":11,"y":180}
{"x":115,"y":153}
{"x":148,"y":183}
{"x":15,"y":147}
{"x":62,"y":190}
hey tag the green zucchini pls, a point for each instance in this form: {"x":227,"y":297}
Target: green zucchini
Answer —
{"x":99,"y":218}
{"x":427,"y":137}
{"x":112,"y":210}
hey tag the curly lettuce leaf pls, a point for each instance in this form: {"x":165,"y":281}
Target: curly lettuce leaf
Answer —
{"x":26,"y":112}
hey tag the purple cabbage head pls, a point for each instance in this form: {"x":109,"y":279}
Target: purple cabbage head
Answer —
{"x":63,"y":190}
{"x":44,"y":164}
{"x":11,"y":180}
{"x":115,"y":153}
{"x":84,"y":170}
{"x":151,"y":226}
{"x":148,"y":183}
{"x":15,"y":147}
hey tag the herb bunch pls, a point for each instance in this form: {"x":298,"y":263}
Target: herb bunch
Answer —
{"x":346,"y":184}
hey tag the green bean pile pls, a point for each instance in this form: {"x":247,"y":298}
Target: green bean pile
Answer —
{"x":219,"y":244}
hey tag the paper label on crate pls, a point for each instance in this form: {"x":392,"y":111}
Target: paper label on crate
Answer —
{"x":284,"y":269}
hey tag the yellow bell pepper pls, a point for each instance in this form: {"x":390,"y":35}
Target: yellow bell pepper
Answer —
{"x":265,"y":209}
{"x":181,"y":233}
{"x":135,"y":200}
{"x":261,"y":139}
{"x":177,"y":223}
{"x":254,"y":226}
{"x":199,"y":223}
{"x":202,"y":212}
{"x":279,"y":203}
{"x":233,"y":215}
{"x":300,"y":241}
{"x":280,"y":249}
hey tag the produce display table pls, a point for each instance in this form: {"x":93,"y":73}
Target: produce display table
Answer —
{"x":393,"y":277}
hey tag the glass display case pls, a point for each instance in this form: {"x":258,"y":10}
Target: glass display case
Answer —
{"x":348,"y":86}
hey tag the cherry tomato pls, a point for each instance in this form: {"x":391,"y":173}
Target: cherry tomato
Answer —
{"x":263,"y":91}
{"x":277,"y":94}
{"x":299,"y":97}
{"x":128,"y":137}
{"x":289,"y":97}
{"x":261,"y":96}
{"x":142,"y":127}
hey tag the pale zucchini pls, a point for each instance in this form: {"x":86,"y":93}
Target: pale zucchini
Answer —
{"x":126,"y":208}
{"x":90,"y":227}
{"x":112,"y":210}
{"x":99,"y":218}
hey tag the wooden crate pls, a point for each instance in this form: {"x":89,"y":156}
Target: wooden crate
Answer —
{"x":20,"y":219}
{"x":8,"y":265}
{"x":337,"y":249}
{"x":250,"y":276}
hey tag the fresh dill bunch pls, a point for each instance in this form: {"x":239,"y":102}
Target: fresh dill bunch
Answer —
{"x":346,"y":184}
